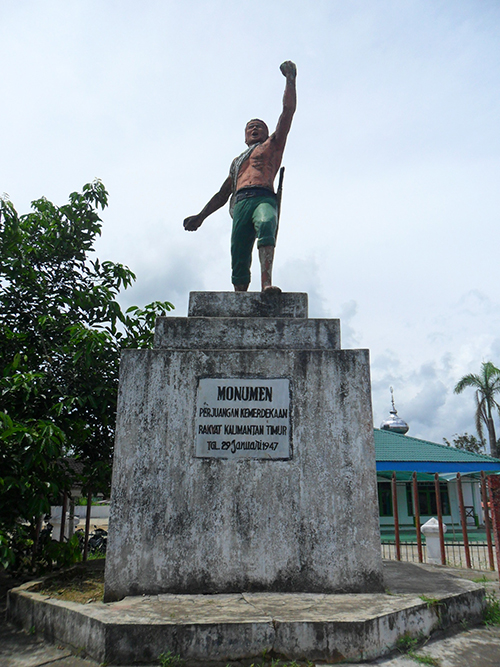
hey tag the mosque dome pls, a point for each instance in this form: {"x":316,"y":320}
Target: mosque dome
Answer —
{"x":394,"y":423}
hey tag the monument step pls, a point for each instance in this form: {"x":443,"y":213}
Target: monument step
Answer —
{"x":215,"y":629}
{"x":188,"y":333}
{"x":247,"y":304}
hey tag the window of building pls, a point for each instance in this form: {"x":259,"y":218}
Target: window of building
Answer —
{"x":427,"y":498}
{"x":384,"y":499}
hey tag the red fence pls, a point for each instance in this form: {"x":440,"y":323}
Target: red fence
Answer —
{"x":477,"y":555}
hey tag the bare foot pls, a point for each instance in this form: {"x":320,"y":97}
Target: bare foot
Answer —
{"x":271,"y":289}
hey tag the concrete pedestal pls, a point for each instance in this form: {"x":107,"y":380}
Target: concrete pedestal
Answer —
{"x":244,"y":457}
{"x":216,"y":629}
{"x":431,"y":531}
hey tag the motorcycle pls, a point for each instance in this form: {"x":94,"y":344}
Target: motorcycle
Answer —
{"x":97,"y":543}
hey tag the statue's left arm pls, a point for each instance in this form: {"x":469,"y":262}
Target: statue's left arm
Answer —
{"x":289,"y":71}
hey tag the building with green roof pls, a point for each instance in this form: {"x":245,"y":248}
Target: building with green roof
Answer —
{"x":403,"y":454}
{"x":394,"y":451}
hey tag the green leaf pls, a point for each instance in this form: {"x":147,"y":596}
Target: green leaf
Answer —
{"x":61,"y":333}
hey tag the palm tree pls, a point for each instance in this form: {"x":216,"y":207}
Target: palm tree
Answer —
{"x":487,"y":386}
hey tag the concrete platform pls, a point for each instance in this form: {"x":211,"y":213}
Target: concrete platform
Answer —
{"x":206,"y":629}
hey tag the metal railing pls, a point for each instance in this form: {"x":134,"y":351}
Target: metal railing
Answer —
{"x":454,"y":551}
{"x":476,"y":555}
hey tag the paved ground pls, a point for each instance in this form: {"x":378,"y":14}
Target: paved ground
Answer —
{"x":479,"y":646}
{"x":476,"y":647}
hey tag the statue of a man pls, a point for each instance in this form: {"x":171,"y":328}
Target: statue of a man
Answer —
{"x":253,"y":203}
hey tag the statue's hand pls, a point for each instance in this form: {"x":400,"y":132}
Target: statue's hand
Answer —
{"x":192,"y":223}
{"x":289,"y":69}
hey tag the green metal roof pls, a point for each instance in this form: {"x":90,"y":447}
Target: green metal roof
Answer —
{"x":394,"y":451}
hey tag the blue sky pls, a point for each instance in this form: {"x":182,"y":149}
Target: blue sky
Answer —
{"x":391,"y":200}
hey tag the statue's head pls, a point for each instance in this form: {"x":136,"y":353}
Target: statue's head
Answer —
{"x":256,"y":131}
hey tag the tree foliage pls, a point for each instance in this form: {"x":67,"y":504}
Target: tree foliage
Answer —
{"x":467,"y":442}
{"x":487,"y":386}
{"x":61,"y":332}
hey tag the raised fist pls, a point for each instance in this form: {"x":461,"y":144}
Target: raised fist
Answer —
{"x":288,"y":69}
{"x":192,"y":223}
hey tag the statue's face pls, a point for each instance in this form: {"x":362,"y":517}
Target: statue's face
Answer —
{"x":255,"y":132}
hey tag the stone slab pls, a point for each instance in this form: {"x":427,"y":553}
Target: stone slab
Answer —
{"x":181,"y":524}
{"x":223,"y":333}
{"x":243,"y":418}
{"x":247,"y":304}
{"x":18,"y":649}
{"x":471,"y":647}
{"x":206,"y":629}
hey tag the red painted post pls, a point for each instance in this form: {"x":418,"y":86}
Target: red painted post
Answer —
{"x":463,"y":520}
{"x":396,"y":515}
{"x":440,"y":518}
{"x":64,"y":509}
{"x":487,"y":522}
{"x":416,"y":505}
{"x":494,"y":486}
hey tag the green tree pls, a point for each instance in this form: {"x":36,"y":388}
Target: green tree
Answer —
{"x":467,"y":442}
{"x":487,"y":386}
{"x":61,"y":333}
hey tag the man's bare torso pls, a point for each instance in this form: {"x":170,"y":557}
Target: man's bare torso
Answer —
{"x":262,"y":166}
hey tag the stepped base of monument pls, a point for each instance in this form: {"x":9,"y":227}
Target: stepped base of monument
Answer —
{"x":217,"y":629}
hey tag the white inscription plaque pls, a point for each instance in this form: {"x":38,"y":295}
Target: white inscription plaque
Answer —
{"x":242,"y":419}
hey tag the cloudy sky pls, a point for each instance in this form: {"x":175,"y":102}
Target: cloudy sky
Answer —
{"x":391,"y":204}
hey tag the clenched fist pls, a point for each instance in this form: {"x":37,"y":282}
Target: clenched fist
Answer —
{"x":192,"y":223}
{"x":289,"y":69}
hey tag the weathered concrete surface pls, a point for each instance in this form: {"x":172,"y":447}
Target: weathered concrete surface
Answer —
{"x":19,"y":650}
{"x":476,"y":647}
{"x":181,"y":524}
{"x":188,"y":333}
{"x":219,"y":628}
{"x":189,"y":516}
{"x":247,"y":304}
{"x":479,"y":647}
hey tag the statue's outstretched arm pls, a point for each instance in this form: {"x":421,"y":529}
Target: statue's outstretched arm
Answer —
{"x":289,"y":70}
{"x":192,"y":223}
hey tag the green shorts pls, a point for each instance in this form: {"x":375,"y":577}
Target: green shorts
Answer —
{"x":253,"y":218}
